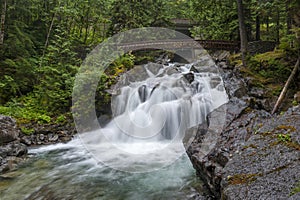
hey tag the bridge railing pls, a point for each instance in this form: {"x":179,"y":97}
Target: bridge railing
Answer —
{"x":254,"y":47}
{"x":220,"y":45}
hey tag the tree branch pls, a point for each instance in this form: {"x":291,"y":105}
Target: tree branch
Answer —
{"x":284,"y":90}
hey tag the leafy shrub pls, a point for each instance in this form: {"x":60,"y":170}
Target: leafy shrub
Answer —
{"x":60,"y":119}
{"x":27,"y":131}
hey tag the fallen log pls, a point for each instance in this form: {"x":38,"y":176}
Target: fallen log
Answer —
{"x":284,"y":90}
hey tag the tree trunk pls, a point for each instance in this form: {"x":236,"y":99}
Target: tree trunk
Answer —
{"x":257,"y":29}
{"x":3,"y":15}
{"x":284,"y":90}
{"x":243,"y":33}
{"x":268,"y":26}
{"x":87,"y":24}
{"x":288,"y":16}
{"x":47,"y":39}
{"x":277,"y":25}
{"x":48,"y":34}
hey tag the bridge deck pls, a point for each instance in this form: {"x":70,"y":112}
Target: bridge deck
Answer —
{"x":180,"y":44}
{"x":254,"y":47}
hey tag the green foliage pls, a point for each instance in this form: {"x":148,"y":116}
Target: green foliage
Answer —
{"x":284,"y":137}
{"x":215,"y":19}
{"x":27,"y":131}
{"x":24,"y":114}
{"x":60,"y":119}
{"x":294,"y":103}
{"x":131,"y":14}
{"x":122,"y":64}
{"x":296,"y":188}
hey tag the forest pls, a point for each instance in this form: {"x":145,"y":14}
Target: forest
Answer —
{"x":43,"y":43}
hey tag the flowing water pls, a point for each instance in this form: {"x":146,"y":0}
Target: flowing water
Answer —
{"x":140,"y":154}
{"x":67,"y":171}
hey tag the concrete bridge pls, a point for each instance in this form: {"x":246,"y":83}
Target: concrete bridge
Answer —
{"x":182,"y":44}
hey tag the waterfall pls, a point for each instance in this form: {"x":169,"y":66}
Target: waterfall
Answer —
{"x":151,"y":114}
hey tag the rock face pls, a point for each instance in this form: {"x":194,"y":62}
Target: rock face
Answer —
{"x":267,"y":166}
{"x":255,"y":155}
{"x":11,"y":149}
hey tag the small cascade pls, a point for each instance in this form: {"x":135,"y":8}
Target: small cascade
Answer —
{"x":152,"y":114}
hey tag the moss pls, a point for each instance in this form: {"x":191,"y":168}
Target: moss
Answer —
{"x":286,"y":128}
{"x":247,"y":110}
{"x":266,"y":133}
{"x":296,"y":189}
{"x":252,"y":154}
{"x":273,"y":90}
{"x":284,"y":137}
{"x":235,"y":59}
{"x":258,"y":80}
{"x":274,"y":143}
{"x":250,"y":146}
{"x":286,"y":142}
{"x":294,"y":145}
{"x":277,"y":169}
{"x":264,"y":57}
{"x":242,"y":178}
{"x":269,"y":71}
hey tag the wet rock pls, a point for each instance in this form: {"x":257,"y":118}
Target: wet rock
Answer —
{"x":297,"y":97}
{"x":11,"y":154}
{"x":26,"y":141}
{"x":170,"y":71}
{"x":257,"y":92}
{"x":264,"y":104}
{"x":8,"y":129}
{"x":215,"y":81}
{"x":42,"y":137}
{"x":104,"y":120}
{"x":12,"y":163}
{"x":219,"y":56}
{"x":143,"y":93}
{"x":189,"y":77}
{"x":65,"y":139}
{"x":11,"y":150}
{"x":53,"y":138}
{"x":193,"y":69}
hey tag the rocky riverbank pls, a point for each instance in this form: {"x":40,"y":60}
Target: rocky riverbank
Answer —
{"x":14,"y":142}
{"x":255,"y":155}
{"x":45,"y":134}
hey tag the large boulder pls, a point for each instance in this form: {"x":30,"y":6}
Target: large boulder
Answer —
{"x":11,"y":149}
{"x":8,"y":130}
{"x":255,"y":155}
{"x":241,"y":122}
